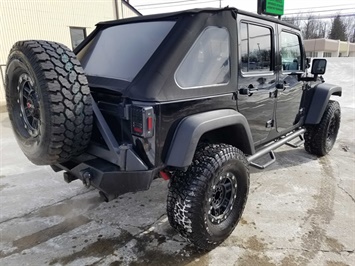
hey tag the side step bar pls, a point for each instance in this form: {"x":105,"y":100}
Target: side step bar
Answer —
{"x":296,"y":144}
{"x":269,"y":149}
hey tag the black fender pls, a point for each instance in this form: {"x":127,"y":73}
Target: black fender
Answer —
{"x":192,"y":128}
{"x":321,"y":96}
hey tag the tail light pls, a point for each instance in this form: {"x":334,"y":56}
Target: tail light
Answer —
{"x":142,"y":121}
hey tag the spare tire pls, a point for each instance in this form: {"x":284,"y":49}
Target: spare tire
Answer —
{"x":48,"y":101}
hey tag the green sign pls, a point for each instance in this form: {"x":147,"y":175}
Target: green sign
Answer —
{"x":274,"y":7}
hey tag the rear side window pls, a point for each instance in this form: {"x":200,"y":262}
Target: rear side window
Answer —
{"x":208,"y":61}
{"x":255,"y":48}
{"x":290,"y":52}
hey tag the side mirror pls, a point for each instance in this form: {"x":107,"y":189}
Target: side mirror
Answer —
{"x":319,"y":66}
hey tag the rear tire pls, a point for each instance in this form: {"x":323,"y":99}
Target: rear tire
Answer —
{"x":320,"y":139}
{"x":206,"y":202}
{"x":48,"y":101}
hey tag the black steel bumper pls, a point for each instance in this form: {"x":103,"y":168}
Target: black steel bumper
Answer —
{"x":107,"y":177}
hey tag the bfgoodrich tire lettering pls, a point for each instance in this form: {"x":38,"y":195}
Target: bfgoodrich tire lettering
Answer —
{"x":48,"y":100}
{"x":320,"y":139}
{"x":202,"y":206}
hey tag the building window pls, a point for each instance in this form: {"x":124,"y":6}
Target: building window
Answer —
{"x":327,"y":54}
{"x":290,"y":51}
{"x":255,"y":48}
{"x":312,"y":54}
{"x":207,"y":63}
{"x":77,"y":35}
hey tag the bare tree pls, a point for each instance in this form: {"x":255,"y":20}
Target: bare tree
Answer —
{"x":314,"y":28}
{"x":309,"y":29}
{"x":349,"y":23}
{"x":294,"y":20}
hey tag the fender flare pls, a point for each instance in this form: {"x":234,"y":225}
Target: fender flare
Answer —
{"x":320,"y":100}
{"x":190,"y":129}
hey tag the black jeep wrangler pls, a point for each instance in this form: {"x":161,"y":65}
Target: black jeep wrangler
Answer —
{"x":194,"y":96}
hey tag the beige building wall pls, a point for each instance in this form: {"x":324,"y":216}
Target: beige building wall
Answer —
{"x":352,"y":50}
{"x":323,"y":47}
{"x":127,"y":11}
{"x":50,"y":20}
{"x":315,"y":45}
{"x":344,"y":48}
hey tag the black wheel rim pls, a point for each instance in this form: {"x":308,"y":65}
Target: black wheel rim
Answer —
{"x":332,"y":132}
{"x":29,"y":105}
{"x":222,"y":198}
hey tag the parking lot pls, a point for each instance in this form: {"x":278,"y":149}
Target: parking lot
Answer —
{"x":300,"y":211}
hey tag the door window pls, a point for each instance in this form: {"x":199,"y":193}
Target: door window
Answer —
{"x":255,"y":48}
{"x":290,"y":51}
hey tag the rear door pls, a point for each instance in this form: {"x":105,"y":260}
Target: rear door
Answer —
{"x":290,"y":52}
{"x":257,"y":76}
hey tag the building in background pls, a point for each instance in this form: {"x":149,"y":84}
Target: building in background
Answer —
{"x":329,"y":48}
{"x":64,"y":21}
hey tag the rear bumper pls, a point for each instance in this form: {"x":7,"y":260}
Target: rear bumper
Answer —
{"x":107,"y":177}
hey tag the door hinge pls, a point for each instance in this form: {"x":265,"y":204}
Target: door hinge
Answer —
{"x":270,"y":123}
{"x":273,"y":94}
{"x":235,"y":95}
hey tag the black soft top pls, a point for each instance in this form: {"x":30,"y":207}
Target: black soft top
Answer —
{"x":174,"y":15}
{"x":156,"y":80}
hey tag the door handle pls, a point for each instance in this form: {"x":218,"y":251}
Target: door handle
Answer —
{"x":245,"y":91}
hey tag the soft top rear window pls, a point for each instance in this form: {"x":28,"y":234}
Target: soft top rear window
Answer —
{"x":121,"y":51}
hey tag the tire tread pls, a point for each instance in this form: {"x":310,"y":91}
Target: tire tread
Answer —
{"x":191,"y":186}
{"x":65,"y":88}
{"x":316,"y":135}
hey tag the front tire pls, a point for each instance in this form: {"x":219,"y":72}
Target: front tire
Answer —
{"x":320,"y":139}
{"x":206,"y":202}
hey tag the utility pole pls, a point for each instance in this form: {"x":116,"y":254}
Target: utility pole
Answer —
{"x":220,"y":3}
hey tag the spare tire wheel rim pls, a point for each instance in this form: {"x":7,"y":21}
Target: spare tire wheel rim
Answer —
{"x":29,"y":105}
{"x":222,"y":197}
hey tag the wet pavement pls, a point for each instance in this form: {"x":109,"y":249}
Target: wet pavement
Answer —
{"x":300,"y":211}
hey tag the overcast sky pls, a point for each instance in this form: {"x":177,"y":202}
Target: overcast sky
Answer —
{"x":291,"y":6}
